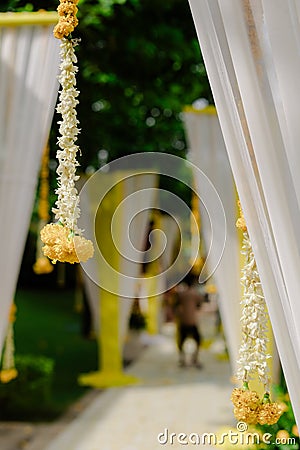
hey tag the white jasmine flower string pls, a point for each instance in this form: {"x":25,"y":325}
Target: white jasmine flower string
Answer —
{"x":67,"y":211}
{"x":253,"y":353}
{"x":63,"y":240}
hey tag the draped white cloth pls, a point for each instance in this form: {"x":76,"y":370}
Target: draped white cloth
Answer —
{"x":164,"y":244}
{"x":129,"y":225}
{"x":171,"y":231}
{"x":209,"y":154}
{"x":251,"y":52}
{"x":29,"y":60}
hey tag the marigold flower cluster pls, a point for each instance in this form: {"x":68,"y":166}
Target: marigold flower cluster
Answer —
{"x":250,"y":409}
{"x":62,"y":245}
{"x":241,"y":222}
{"x":67,"y":11}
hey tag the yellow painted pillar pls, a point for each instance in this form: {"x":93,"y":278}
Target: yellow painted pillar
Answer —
{"x":153,"y":309}
{"x":110,"y":371}
{"x":152,"y":322}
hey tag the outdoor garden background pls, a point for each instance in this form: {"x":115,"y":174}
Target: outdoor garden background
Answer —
{"x":139,"y":65}
{"x":134,"y":78}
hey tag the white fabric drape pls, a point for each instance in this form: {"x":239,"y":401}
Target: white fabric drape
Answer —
{"x":209,"y":154}
{"x":29,"y":59}
{"x":131,"y":218}
{"x":251,"y":52}
{"x":171,"y":229}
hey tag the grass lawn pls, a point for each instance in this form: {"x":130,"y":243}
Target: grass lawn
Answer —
{"x":48,"y":325}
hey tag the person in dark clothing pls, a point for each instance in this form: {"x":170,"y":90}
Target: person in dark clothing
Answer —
{"x":187,"y":305}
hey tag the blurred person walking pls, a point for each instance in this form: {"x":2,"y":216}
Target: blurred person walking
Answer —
{"x":187,"y":306}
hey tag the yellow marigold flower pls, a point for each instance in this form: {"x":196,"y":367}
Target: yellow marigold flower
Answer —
{"x":246,"y":414}
{"x":269,"y":413}
{"x":67,"y":11}
{"x":283,"y":435}
{"x":75,"y":2}
{"x":295,"y":430}
{"x":42,"y":266}
{"x":61,"y":245}
{"x":241,"y":223}
{"x":6,"y":375}
{"x":240,"y":397}
{"x":84,"y":248}
{"x":246,"y":405}
{"x":54,"y":233}
{"x":236,"y":396}
{"x":68,"y":8}
{"x":63,"y":29}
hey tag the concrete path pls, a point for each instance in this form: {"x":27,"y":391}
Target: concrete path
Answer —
{"x":168,"y":400}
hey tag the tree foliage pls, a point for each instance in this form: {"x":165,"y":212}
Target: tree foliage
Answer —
{"x":139,"y":64}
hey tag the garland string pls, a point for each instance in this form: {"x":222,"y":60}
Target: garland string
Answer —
{"x":253,"y":356}
{"x":63,"y":240}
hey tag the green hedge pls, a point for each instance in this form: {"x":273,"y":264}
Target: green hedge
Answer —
{"x":30,"y":393}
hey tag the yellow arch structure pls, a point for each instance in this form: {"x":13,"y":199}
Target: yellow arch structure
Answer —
{"x":17,"y":19}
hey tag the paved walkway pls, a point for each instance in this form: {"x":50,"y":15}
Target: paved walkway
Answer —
{"x":169,"y":400}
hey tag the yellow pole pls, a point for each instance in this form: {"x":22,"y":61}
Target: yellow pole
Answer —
{"x":110,"y":371}
{"x":209,"y":110}
{"x":17,"y":19}
{"x":154,"y":300}
{"x":153,"y":310}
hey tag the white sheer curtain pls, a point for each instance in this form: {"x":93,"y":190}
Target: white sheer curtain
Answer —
{"x":208,"y":153}
{"x":29,"y":59}
{"x":252,"y":56}
{"x":131,"y":217}
{"x":171,"y":230}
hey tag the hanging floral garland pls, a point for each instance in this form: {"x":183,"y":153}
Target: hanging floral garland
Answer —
{"x":63,"y":240}
{"x":42,"y":264}
{"x":253,"y":356}
{"x":195,"y":226}
{"x":8,"y":371}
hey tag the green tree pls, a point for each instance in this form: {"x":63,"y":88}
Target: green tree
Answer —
{"x":139,"y":64}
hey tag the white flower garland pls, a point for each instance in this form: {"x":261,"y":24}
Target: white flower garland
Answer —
{"x":67,"y":211}
{"x":253,"y":350}
{"x":63,"y":241}
{"x":253,"y":354}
